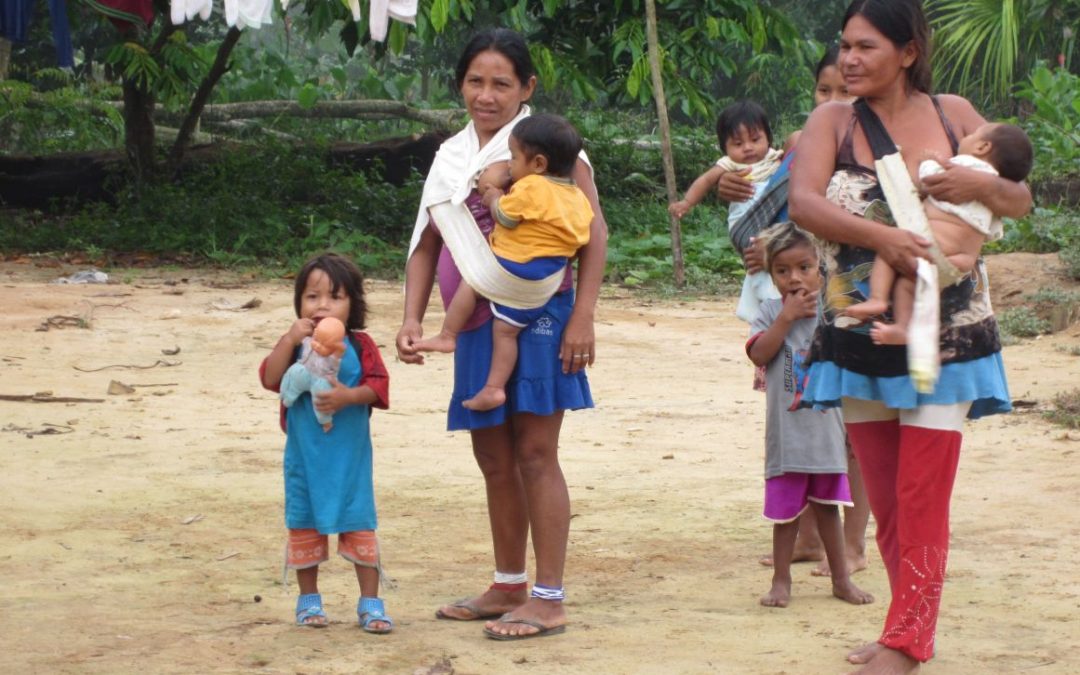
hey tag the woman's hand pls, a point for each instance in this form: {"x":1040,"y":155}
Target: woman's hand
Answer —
{"x":733,"y":186}
{"x":957,"y":184}
{"x":901,"y":249}
{"x":753,"y":257}
{"x":578,"y":348}
{"x":409,"y":334}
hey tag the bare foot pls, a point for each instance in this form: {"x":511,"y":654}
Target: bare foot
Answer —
{"x":779,"y":595}
{"x":865,"y":653}
{"x":866,"y":310}
{"x":855,"y":563}
{"x":490,"y":603}
{"x":546,"y":613}
{"x":889,"y":662}
{"x":442,"y":342}
{"x":487,"y":398}
{"x":888,"y":334}
{"x":849,"y":592}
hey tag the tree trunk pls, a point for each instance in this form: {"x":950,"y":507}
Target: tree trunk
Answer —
{"x":202,"y":95}
{"x":139,"y":127}
{"x":443,"y":120}
{"x":665,"y":136}
{"x":5,"y":57}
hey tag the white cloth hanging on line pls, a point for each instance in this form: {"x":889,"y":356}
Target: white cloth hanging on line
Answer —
{"x":186,"y":10}
{"x":257,"y":13}
{"x":381,"y":11}
{"x":248,"y":13}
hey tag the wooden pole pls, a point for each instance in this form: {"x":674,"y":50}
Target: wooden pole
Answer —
{"x":665,"y":137}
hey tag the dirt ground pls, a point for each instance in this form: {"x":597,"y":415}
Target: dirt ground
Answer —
{"x":142,"y":532}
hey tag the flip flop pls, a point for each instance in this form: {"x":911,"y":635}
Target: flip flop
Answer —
{"x":542,"y":630}
{"x":464,"y":603}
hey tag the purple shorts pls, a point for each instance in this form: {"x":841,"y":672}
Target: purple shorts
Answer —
{"x":788,"y":494}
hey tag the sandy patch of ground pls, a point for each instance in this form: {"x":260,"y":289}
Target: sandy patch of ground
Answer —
{"x":139,"y":538}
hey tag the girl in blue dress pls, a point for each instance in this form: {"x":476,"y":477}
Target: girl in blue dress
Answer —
{"x":328,"y":477}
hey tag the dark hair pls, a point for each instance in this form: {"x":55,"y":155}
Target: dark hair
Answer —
{"x":1010,"y":151}
{"x":829,"y":58}
{"x":902,"y":22}
{"x":742,"y":114}
{"x":344,"y":275}
{"x":502,"y":40}
{"x":781,"y":237}
{"x":553,"y":137}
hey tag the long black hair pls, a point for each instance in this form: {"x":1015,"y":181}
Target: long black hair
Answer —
{"x":503,"y":40}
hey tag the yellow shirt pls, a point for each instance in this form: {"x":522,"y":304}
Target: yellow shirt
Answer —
{"x":541,"y":216}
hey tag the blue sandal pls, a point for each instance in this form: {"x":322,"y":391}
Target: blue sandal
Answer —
{"x":309,"y":607}
{"x":372,"y":609}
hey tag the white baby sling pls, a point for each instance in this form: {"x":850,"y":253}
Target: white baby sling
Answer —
{"x":478,"y":266}
{"x":923,"y":333}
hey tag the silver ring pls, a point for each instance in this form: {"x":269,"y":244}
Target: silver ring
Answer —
{"x":580,"y":356}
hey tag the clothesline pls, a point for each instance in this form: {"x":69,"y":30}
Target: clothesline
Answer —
{"x":16,"y":15}
{"x":257,"y":13}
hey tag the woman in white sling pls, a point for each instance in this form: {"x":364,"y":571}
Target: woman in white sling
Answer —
{"x":515,"y":445}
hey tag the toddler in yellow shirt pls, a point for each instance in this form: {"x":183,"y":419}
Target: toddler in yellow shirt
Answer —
{"x":539,"y":225}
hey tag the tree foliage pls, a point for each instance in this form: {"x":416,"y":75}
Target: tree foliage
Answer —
{"x":983,"y":46}
{"x":713,"y":50}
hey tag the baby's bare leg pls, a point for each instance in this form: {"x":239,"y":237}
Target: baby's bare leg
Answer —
{"x":457,"y":315}
{"x":504,"y":353}
{"x":881,"y":283}
{"x":903,"y":305}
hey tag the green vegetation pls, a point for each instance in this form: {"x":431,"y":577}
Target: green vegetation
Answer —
{"x":1022,"y":322}
{"x":1066,"y":409}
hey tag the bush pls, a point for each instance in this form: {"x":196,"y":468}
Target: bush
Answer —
{"x":1066,"y":410}
{"x":1022,"y":322}
{"x":276,"y":204}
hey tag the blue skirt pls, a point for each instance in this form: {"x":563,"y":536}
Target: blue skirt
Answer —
{"x":537,"y":386}
{"x":981,"y":381}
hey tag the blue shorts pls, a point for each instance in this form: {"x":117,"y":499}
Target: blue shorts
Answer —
{"x":535,"y":269}
{"x":537,"y":385}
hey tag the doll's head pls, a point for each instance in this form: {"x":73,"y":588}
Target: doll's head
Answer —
{"x":329,"y":337}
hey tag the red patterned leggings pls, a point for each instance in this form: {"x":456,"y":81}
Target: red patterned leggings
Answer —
{"x":908,"y":460}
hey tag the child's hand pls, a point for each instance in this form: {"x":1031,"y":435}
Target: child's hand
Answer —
{"x":333,"y":400}
{"x":300,"y":329}
{"x":491,"y":196}
{"x":800,"y":304}
{"x":496,"y":176}
{"x":679,"y":208}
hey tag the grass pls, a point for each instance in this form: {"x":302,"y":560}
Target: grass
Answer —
{"x":1066,"y":409}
